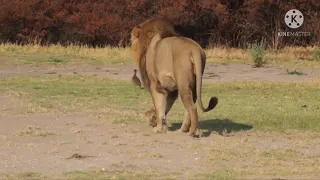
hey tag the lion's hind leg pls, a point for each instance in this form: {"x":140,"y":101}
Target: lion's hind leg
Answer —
{"x":188,"y":97}
{"x":171,"y":98}
{"x":159,"y":101}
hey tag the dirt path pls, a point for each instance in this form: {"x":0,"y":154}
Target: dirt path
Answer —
{"x":213,"y":73}
{"x":50,"y":143}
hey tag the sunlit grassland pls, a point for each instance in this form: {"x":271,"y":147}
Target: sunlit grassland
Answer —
{"x":263,"y":105}
{"x":267,"y":107}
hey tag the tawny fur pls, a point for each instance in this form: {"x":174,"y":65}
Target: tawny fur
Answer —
{"x":141,"y":36}
{"x":171,"y":64}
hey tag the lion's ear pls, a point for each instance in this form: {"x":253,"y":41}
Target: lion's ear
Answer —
{"x":136,"y":32}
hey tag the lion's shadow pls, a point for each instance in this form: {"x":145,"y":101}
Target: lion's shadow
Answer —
{"x":221,"y":126}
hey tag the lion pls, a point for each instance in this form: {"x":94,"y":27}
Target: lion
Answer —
{"x":172,"y":65}
{"x":140,"y":43}
{"x":141,"y":36}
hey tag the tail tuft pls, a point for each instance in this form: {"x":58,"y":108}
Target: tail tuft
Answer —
{"x":212,"y":104}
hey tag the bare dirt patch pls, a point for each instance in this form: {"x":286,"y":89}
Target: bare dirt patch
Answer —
{"x":213,"y":73}
{"x":133,"y":147}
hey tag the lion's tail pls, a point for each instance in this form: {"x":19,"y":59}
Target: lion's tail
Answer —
{"x":199,"y":64}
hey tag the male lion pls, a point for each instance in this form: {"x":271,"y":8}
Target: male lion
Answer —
{"x":171,"y":64}
{"x":141,"y":36}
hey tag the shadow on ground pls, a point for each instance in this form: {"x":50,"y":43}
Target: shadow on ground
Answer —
{"x":221,"y":126}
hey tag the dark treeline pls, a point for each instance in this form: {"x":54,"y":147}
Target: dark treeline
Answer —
{"x":232,"y":23}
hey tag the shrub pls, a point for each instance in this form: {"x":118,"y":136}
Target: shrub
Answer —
{"x":258,"y":52}
{"x":232,"y":23}
{"x":317,"y":55}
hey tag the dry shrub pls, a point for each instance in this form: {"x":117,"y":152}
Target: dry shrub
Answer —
{"x":233,"y":23}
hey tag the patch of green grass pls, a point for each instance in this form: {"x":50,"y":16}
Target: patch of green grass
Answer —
{"x":280,"y":154}
{"x":55,"y":60}
{"x":295,"y":72}
{"x":266,"y":105}
{"x":260,"y":162}
{"x":152,"y":155}
{"x":118,"y":100}
{"x":92,"y":174}
{"x":26,"y":175}
{"x":83,"y":175}
{"x":117,"y":175}
{"x":219,"y":175}
{"x":317,"y":55}
{"x":242,"y":105}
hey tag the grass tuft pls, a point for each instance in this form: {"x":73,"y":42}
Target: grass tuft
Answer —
{"x":295,"y":72}
{"x":56,"y":60}
{"x":35,"y":132}
{"x":317,"y":55}
{"x":258,"y":52}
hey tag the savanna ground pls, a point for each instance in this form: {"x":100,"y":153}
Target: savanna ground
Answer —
{"x":73,"y":113}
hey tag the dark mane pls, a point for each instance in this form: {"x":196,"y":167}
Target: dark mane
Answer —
{"x":149,"y":28}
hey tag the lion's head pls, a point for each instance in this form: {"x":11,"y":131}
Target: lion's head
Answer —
{"x":141,"y":36}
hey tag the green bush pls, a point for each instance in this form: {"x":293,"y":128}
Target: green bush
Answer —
{"x":258,"y":52}
{"x":317,"y":55}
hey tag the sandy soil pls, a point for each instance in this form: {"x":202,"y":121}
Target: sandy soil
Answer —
{"x":213,"y":73}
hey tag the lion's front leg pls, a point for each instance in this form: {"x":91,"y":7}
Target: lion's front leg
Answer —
{"x":153,"y":120}
{"x":150,"y":112}
{"x":152,"y":115}
{"x":159,"y":100}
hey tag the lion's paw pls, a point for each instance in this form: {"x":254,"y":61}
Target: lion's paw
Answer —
{"x":181,"y":130}
{"x":192,"y":134}
{"x":164,"y":128}
{"x":159,"y":129}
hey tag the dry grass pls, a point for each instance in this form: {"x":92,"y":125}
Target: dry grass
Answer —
{"x":152,"y":155}
{"x":84,"y":51}
{"x":272,"y":160}
{"x":303,"y":56}
{"x":57,"y":54}
{"x":35,"y":132}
